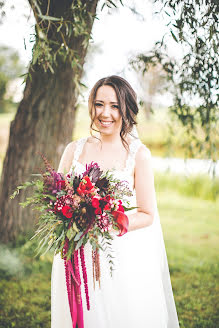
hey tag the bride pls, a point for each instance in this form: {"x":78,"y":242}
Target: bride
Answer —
{"x":139,"y":294}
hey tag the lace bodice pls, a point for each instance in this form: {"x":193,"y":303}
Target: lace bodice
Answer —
{"x":125,"y":174}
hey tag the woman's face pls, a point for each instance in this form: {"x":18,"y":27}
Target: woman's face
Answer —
{"x":108,"y":119}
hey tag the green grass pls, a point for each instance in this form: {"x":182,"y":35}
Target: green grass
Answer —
{"x":195,"y":185}
{"x":25,"y":286}
{"x":189,"y":216}
{"x":191,"y":234}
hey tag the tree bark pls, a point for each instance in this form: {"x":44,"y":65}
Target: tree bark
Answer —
{"x":44,"y":122}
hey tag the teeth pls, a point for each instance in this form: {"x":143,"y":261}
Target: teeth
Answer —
{"x":106,"y":123}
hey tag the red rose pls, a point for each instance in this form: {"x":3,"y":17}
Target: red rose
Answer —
{"x":85,"y":186}
{"x":95,"y":202}
{"x":98,"y":211}
{"x":122,"y":221}
{"x":67,"y":211}
{"x":107,"y":207}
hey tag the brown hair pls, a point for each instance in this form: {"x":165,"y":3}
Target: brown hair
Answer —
{"x":127,"y":100}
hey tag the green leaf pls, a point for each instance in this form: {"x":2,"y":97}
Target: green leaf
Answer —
{"x":167,"y":13}
{"x":70,"y":250}
{"x":23,"y":186}
{"x":71,"y":233}
{"x":79,"y":244}
{"x":112,"y":3}
{"x":50,"y":18}
{"x":59,"y":28}
{"x":103,"y":6}
{"x":75,"y":227}
{"x":130,"y":208}
{"x":78,"y":236}
{"x":173,"y":35}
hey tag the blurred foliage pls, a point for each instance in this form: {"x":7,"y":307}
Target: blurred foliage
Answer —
{"x":194,"y":79}
{"x":2,"y":11}
{"x":10,"y":69}
{"x":151,"y":83}
{"x":199,"y":185}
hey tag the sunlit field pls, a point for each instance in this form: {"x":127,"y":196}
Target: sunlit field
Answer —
{"x":153,"y":133}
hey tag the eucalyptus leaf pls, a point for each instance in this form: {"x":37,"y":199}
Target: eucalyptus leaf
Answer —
{"x":78,"y":236}
{"x":78,"y":245}
{"x":70,"y":233}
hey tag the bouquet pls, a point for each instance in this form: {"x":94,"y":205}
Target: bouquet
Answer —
{"x":76,"y":209}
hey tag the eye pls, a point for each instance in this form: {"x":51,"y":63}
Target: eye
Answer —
{"x":115,"y":106}
{"x":98,"y":104}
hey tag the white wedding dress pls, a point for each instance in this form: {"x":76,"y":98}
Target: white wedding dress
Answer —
{"x":139,"y":295}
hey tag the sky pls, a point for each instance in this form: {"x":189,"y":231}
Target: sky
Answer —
{"x":119,"y":33}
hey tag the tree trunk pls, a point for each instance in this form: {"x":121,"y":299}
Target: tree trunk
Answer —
{"x":44,"y":122}
{"x":147,"y":110}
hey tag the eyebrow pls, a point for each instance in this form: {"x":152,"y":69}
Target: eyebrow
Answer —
{"x":111,"y":102}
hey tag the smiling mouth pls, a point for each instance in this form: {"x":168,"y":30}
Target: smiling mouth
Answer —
{"x":106,"y":123}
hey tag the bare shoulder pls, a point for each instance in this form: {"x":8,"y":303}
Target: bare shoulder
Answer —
{"x":67,"y":157}
{"x":143,"y":154}
{"x":71,"y":146}
{"x":143,"y":161}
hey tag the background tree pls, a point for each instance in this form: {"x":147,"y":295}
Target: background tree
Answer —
{"x":151,"y":83}
{"x":194,"y":78}
{"x":45,"y":116}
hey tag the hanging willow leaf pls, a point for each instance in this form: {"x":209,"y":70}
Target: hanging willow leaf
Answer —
{"x":194,"y":25}
{"x":112,"y":3}
{"x":173,"y":35}
{"x":50,"y":18}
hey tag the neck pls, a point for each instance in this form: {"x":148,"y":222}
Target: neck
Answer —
{"x":111,"y":139}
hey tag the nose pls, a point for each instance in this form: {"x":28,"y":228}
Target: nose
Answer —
{"x":105,"y":111}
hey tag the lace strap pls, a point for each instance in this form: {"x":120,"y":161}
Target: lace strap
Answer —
{"x":78,"y":149}
{"x":134,"y":146}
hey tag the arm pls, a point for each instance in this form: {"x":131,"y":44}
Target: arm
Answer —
{"x":67,"y":157}
{"x":145,"y":191}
